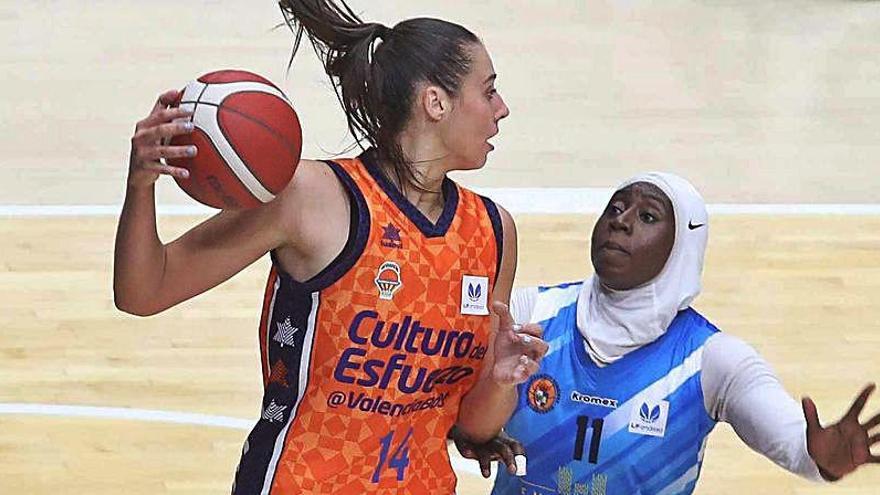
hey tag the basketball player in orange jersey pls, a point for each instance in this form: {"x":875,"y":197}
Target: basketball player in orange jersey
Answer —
{"x":375,"y":335}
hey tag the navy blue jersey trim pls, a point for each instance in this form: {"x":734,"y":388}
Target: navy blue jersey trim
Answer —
{"x":428,"y":229}
{"x":298,"y":310}
{"x":358,"y":234}
{"x":495,"y":218}
{"x":299,"y":397}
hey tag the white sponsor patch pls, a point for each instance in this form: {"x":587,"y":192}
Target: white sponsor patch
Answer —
{"x":649,"y":417}
{"x":474,"y":295}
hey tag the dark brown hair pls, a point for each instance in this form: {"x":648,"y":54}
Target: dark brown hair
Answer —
{"x":376,"y":70}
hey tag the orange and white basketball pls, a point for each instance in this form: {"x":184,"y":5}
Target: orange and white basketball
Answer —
{"x":248,"y":137}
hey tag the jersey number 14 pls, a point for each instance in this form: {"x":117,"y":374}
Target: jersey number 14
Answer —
{"x":399,"y":458}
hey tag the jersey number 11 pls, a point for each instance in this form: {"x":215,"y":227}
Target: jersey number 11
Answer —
{"x":583,"y":425}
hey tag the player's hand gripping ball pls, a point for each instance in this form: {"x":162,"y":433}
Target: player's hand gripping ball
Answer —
{"x":248,"y":138}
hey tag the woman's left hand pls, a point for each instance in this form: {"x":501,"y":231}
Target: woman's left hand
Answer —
{"x":844,"y":446}
{"x":518,"y":348}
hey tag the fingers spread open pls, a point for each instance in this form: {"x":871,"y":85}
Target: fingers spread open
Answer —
{"x":860,"y":401}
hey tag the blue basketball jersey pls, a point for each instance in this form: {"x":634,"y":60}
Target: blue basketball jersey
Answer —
{"x":637,"y":426}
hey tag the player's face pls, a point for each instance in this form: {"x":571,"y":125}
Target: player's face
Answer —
{"x":634,"y":236}
{"x":475,"y":113}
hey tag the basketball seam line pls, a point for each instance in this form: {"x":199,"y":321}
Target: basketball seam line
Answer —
{"x":261,"y":80}
{"x":260,"y":123}
{"x":196,"y":103}
{"x":243,"y":185}
{"x":247,"y":117}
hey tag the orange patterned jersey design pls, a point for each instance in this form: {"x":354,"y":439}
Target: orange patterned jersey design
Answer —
{"x":365,"y":364}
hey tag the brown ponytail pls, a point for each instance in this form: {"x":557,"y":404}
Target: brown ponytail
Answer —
{"x":376,"y":70}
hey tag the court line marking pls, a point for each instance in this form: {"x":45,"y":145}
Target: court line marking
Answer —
{"x":149,"y":415}
{"x":515,"y":200}
{"x":523,"y":200}
{"x":157,"y":416}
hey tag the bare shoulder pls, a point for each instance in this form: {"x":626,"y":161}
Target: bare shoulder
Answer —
{"x":313,"y":179}
{"x":314,"y":185}
{"x":312,"y":202}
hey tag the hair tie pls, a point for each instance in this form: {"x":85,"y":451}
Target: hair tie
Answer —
{"x":384,"y":32}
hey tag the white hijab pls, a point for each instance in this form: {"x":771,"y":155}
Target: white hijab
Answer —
{"x":616,"y":322}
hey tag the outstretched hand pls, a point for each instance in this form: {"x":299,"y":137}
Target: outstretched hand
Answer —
{"x":840,"y":448}
{"x":518,"y":348}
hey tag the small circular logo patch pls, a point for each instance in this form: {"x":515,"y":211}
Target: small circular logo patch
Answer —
{"x":543,"y":393}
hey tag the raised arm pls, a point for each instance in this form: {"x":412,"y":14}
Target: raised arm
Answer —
{"x":149,"y":276}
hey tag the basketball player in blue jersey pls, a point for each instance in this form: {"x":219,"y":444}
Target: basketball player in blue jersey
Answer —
{"x":635,"y":379}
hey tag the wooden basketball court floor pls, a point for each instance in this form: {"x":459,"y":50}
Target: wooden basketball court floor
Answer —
{"x":803,"y":290}
{"x":757,"y":103}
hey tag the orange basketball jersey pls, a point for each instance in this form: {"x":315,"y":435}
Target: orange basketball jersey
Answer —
{"x":365,"y":364}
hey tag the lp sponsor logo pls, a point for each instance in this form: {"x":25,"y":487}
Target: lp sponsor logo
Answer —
{"x":474,"y":295}
{"x":649,"y":418}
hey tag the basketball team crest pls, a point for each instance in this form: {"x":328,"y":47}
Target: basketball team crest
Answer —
{"x":388,"y":280}
{"x":543,"y":393}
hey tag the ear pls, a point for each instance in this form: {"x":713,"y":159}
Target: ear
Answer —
{"x":435,"y":102}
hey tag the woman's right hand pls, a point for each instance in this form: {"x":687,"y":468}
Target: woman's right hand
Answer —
{"x":518,"y":348}
{"x":149,"y":143}
{"x":503,"y":448}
